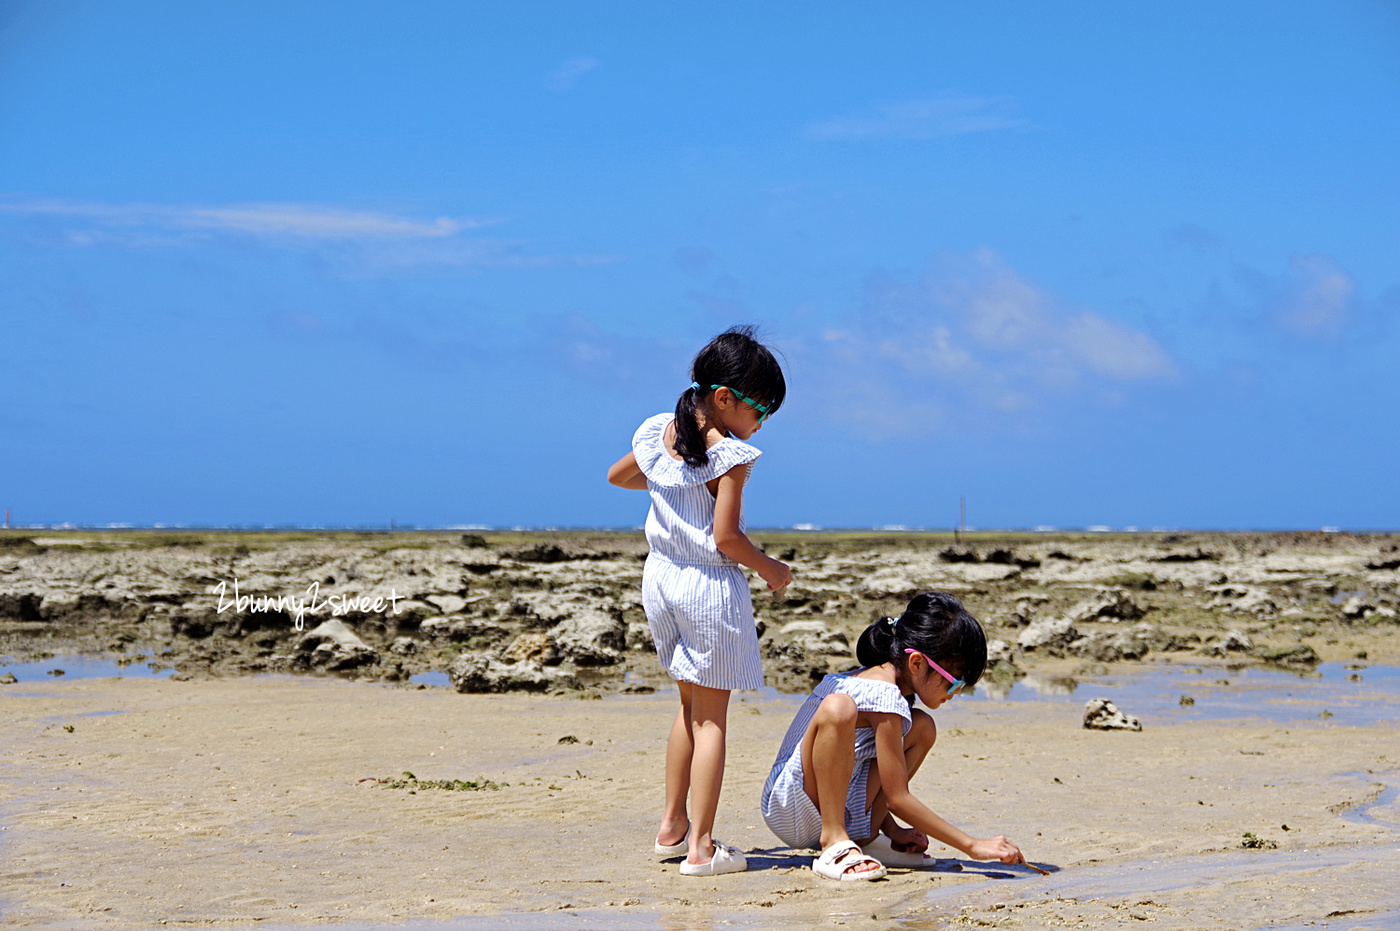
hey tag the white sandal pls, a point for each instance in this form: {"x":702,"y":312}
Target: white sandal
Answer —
{"x":882,"y":849}
{"x":726,"y":860}
{"x":662,"y":850}
{"x":837,"y":860}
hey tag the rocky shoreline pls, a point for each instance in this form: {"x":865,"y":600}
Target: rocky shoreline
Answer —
{"x":561,"y":612}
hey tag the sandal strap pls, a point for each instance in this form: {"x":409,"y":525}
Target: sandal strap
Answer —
{"x":844,"y":861}
{"x":839,"y":851}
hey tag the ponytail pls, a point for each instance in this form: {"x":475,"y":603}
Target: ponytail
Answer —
{"x":690,"y":442}
{"x":876,"y":645}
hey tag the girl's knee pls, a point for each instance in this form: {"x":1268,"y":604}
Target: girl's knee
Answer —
{"x":836,"y":709}
{"x":923,"y":730}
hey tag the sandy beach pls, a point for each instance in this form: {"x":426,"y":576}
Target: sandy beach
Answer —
{"x":131,"y":803}
{"x":244,"y":771}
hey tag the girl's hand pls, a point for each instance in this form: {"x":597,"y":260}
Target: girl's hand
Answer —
{"x":995,"y":848}
{"x":777,"y":574}
{"x":732,"y":542}
{"x":910,"y":840}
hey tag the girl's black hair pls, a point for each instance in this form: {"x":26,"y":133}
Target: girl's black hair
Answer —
{"x":734,"y":360}
{"x":938,"y":626}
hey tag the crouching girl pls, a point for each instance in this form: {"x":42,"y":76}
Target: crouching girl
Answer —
{"x":842,"y":775}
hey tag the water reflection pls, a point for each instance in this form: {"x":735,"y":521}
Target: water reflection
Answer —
{"x":1330,"y":693}
{"x":1044,"y":686}
{"x":77,"y":666}
{"x":1053,"y":686}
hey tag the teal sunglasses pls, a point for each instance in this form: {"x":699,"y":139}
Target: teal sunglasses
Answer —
{"x":763,"y":409}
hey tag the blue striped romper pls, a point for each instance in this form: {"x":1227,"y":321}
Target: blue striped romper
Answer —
{"x":696,"y":599}
{"x":788,"y":810}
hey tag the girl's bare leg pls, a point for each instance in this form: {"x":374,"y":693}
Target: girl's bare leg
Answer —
{"x":680,"y":749}
{"x":828,"y":759}
{"x":709,"y":720}
{"x":917,"y":744}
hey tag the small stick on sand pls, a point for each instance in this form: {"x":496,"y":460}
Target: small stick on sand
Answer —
{"x":1025,"y":862}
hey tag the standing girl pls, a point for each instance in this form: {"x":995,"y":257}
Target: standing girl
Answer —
{"x":844,"y":767}
{"x":695,"y":463}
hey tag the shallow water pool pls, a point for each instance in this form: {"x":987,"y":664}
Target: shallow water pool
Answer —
{"x":82,"y":666}
{"x":1332,"y":692}
{"x":1159,"y":876}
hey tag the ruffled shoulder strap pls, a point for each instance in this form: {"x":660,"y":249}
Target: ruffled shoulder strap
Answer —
{"x":649,"y":449}
{"x":880,"y":697}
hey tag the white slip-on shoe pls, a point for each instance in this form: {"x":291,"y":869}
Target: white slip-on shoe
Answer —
{"x":675,"y":849}
{"x":726,"y":860}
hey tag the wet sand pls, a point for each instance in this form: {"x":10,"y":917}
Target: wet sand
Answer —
{"x":128,"y":803}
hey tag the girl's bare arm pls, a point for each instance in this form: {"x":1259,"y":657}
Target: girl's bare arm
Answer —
{"x":733,"y":542}
{"x":625,"y":473}
{"x":894,"y":780}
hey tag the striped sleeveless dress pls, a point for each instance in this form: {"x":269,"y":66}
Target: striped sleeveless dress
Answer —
{"x":787,"y":809}
{"x":696,"y":599}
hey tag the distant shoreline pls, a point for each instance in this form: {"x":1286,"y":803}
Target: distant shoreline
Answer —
{"x":1094,"y":532}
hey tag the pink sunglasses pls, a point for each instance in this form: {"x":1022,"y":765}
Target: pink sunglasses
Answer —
{"x":954,"y":685}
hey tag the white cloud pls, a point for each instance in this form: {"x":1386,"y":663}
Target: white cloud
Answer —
{"x":266,"y":219}
{"x":566,"y":76}
{"x":1114,"y":351}
{"x":295,"y":220}
{"x":358,"y":243}
{"x":948,"y":113}
{"x":1003,"y":312}
{"x":933,"y":351}
{"x":970,"y":344}
{"x":1316,"y":296}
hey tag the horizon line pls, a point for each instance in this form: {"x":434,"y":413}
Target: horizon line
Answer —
{"x":1043,"y":529}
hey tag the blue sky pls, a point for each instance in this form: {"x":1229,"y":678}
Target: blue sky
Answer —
{"x":337,"y":264}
